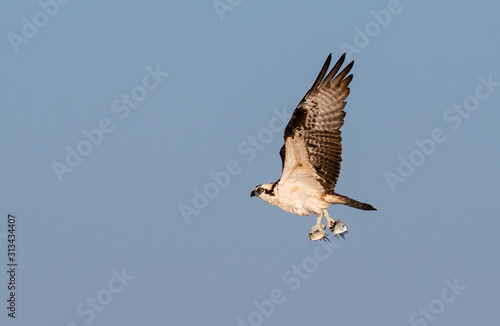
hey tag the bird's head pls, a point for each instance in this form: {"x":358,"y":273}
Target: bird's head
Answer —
{"x":263,"y":191}
{"x":339,"y":228}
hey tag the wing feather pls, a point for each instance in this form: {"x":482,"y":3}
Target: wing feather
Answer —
{"x":314,"y":129}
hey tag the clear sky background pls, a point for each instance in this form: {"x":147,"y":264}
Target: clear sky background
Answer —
{"x":103,"y":239}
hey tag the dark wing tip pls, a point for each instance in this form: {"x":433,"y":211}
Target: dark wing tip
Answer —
{"x":321,"y":79}
{"x":343,"y":57}
{"x":322,"y":73}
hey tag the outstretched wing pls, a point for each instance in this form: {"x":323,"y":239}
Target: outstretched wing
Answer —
{"x":313,"y":147}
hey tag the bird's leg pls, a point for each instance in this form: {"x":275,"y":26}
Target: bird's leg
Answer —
{"x":318,"y":221}
{"x":318,"y":231}
{"x":330,"y":221}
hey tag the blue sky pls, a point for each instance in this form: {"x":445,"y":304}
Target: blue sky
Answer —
{"x":117,"y":115}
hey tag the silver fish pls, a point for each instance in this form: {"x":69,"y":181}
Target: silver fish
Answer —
{"x":318,"y":234}
{"x":339,"y":228}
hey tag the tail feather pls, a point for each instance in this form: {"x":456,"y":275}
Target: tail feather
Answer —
{"x":339,"y":199}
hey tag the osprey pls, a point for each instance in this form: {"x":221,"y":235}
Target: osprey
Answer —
{"x":311,"y":154}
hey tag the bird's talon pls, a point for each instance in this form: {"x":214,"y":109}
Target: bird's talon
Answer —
{"x":331,"y":226}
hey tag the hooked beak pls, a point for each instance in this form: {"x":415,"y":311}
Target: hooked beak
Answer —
{"x":252,"y":194}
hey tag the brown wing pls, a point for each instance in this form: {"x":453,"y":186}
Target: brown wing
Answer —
{"x":316,"y":123}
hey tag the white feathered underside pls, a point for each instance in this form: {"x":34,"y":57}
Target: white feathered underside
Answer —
{"x":298,"y":191}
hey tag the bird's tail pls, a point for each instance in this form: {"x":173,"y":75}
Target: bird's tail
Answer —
{"x":339,"y":199}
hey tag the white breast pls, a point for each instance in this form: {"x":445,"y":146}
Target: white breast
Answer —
{"x":299,"y":199}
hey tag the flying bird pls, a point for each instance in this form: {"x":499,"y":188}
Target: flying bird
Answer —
{"x":311,"y":154}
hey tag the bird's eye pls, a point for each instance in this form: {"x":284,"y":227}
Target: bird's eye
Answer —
{"x":261,"y":189}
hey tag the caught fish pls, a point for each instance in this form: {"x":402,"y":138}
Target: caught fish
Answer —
{"x":318,"y":234}
{"x":339,"y":228}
